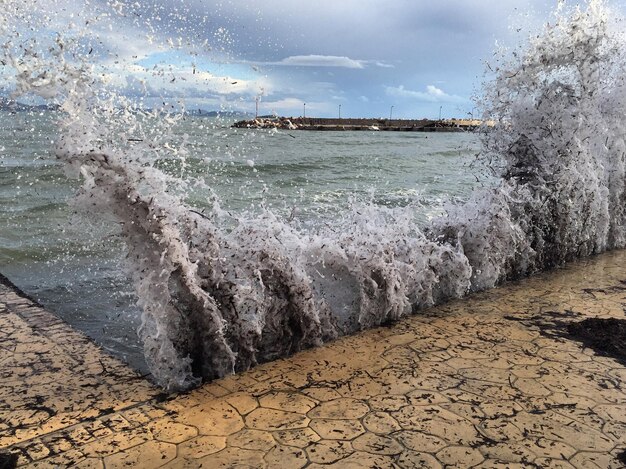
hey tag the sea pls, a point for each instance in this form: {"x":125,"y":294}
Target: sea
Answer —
{"x":72,"y":260}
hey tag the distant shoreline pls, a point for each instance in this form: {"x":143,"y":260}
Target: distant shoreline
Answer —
{"x":338,"y":124}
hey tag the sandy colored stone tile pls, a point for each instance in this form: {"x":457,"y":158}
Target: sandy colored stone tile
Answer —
{"x":287,"y":457}
{"x":473,"y":352}
{"x":618,"y":373}
{"x":287,"y":401}
{"x":335,"y":429}
{"x":550,"y":449}
{"x":419,"y":441}
{"x":117,"y":423}
{"x":321,"y":394}
{"x":611,"y":413}
{"x":381,"y":423}
{"x":529,"y":371}
{"x":135,"y":416}
{"x":497,"y":464}
{"x":437,"y":421}
{"x":489,"y":391}
{"x":387,"y":402}
{"x":89,"y":463}
{"x":426,"y":378}
{"x":326,"y":452}
{"x":201,"y":446}
{"x":344,"y":408}
{"x":361,"y":386}
{"x":416,"y":459}
{"x":500,"y":409}
{"x":213,"y":389}
{"x":66,"y":458}
{"x":459,"y":363}
{"x":531,"y":387}
{"x":553,"y":426}
{"x":470,"y":412}
{"x":57,"y":443}
{"x":214,"y":418}
{"x":616,"y":431}
{"x":491,"y":375}
{"x":37,"y":451}
{"x":425,"y":397}
{"x":588,"y":460}
{"x":399,"y":356}
{"x":251,"y":439}
{"x":360,"y":460}
{"x":430,"y":344}
{"x":171,"y":432}
{"x":115,"y":442}
{"x":273,"y":419}
{"x":154,"y":413}
{"x":460,"y":456}
{"x":400,"y":338}
{"x":243,"y":402}
{"x":434,"y":357}
{"x":151,"y":454}
{"x":508,"y":453}
{"x":300,"y":438}
{"x":231,"y":458}
{"x":377,"y":444}
{"x":236,"y":383}
{"x":547,"y":463}
{"x":567,"y":353}
{"x":500,"y":430}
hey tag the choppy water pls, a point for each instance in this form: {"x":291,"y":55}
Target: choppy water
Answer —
{"x":244,"y":247}
{"x":73,"y":263}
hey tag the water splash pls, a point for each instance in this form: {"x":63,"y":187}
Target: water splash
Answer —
{"x":221,"y":293}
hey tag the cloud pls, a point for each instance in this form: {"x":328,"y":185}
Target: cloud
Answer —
{"x":432,"y":94}
{"x":319,"y":61}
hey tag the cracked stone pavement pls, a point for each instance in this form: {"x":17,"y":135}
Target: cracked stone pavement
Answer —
{"x":473,"y":383}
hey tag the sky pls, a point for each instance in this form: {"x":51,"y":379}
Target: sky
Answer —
{"x":323,"y":58}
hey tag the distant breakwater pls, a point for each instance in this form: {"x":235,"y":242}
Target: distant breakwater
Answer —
{"x":397,"y":125}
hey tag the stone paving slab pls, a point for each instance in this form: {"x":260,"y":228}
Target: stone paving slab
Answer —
{"x":482,"y":382}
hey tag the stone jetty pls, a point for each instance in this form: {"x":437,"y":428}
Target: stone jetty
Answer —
{"x":396,"y":125}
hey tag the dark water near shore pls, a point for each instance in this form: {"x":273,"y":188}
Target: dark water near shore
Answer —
{"x":71,"y":261}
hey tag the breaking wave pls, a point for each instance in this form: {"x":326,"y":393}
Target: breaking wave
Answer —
{"x":221,"y":293}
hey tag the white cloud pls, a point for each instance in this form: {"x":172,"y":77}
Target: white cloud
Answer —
{"x":319,"y":61}
{"x":183,"y":82}
{"x":432,"y":94}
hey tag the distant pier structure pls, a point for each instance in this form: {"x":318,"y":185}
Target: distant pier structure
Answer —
{"x":337,"y":124}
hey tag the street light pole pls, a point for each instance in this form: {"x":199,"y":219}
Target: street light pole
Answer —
{"x":390,"y":112}
{"x":304,"y":111}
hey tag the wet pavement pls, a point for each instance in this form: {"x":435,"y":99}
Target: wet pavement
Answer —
{"x":486,"y":382}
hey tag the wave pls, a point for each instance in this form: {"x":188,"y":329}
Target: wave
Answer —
{"x":222,"y":293}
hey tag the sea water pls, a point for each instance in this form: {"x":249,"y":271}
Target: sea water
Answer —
{"x":73,"y":263}
{"x":253,"y":260}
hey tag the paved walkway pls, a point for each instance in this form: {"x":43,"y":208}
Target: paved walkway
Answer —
{"x":475,"y":383}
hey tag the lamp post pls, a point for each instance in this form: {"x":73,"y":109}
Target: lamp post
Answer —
{"x":304,"y":111}
{"x":390,"y":112}
{"x":340,"y":111}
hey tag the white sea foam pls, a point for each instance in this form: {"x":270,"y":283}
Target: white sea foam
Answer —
{"x":221,"y":293}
